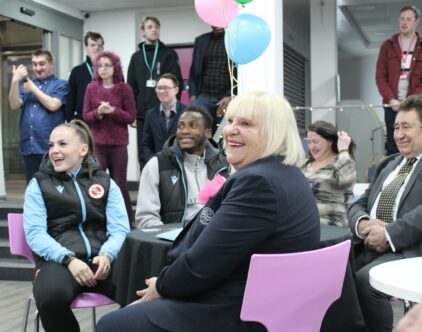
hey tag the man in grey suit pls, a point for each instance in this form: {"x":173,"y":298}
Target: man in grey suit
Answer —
{"x":401,"y":236}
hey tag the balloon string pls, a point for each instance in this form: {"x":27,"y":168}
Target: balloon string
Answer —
{"x":230,"y":65}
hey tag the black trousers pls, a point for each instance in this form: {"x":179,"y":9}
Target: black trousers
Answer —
{"x":375,"y":306}
{"x":54,"y":291}
{"x":389,"y":118}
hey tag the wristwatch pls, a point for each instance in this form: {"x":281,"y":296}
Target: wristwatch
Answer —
{"x":67,"y":259}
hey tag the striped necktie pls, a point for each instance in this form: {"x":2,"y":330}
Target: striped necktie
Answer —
{"x":388,"y":195}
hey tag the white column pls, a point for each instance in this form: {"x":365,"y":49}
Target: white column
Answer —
{"x":2,"y":184}
{"x":323,"y":58}
{"x":266,"y":72}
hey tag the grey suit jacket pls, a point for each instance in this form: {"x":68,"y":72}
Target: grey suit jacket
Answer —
{"x":406,"y":231}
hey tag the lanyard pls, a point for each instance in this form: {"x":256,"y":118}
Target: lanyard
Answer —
{"x":153,"y":59}
{"x":90,"y":70}
{"x":403,"y":56}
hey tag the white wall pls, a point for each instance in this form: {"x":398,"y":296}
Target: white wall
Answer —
{"x":357,"y":77}
{"x":120,"y":29}
{"x":178,"y":25}
{"x":324,"y":60}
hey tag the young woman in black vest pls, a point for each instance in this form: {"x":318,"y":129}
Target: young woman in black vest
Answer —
{"x":75,"y":222}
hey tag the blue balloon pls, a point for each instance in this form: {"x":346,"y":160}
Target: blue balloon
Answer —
{"x":247,"y":37}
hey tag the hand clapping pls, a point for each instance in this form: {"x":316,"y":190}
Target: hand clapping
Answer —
{"x":105,"y":108}
{"x":19,"y":73}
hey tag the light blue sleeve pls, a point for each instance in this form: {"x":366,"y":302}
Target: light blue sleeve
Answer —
{"x":35,"y":226}
{"x":117,"y":222}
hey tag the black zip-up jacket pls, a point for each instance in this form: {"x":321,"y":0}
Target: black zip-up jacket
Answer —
{"x":138,"y":73}
{"x":63,"y":196}
{"x":79,"y":79}
{"x":170,"y":164}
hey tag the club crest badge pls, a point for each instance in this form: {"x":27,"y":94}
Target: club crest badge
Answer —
{"x":96,"y":191}
{"x":206,"y":215}
{"x":174,"y":179}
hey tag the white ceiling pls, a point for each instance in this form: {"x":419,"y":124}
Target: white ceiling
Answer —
{"x":100,"y":5}
{"x":362,"y":24}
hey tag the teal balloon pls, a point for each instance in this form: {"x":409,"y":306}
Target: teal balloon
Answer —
{"x":242,"y":2}
{"x":246,"y":38}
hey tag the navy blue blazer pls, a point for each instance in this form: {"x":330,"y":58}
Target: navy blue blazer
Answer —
{"x":155,"y":131}
{"x":265,"y":207}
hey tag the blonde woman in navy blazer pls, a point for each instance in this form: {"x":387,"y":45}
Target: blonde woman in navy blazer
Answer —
{"x":266,"y":206}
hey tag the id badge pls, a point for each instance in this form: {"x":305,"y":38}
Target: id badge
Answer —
{"x":151,"y":83}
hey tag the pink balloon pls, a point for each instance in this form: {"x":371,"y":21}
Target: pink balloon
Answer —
{"x":217,"y":13}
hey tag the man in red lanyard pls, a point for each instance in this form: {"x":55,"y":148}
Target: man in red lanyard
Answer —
{"x":82,"y":75}
{"x":152,"y":60}
{"x":399,"y":69}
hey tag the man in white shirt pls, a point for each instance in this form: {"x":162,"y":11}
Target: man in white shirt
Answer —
{"x":398,"y":233}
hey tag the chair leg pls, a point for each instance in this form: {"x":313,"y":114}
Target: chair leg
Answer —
{"x":26,"y":314}
{"x":37,"y":321}
{"x":94,"y":319}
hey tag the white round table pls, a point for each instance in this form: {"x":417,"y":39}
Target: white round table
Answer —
{"x":401,"y":278}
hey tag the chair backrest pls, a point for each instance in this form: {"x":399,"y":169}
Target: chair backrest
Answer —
{"x":17,"y":241}
{"x":292,"y":292}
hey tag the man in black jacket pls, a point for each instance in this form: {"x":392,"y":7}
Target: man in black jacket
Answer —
{"x":171,"y":181}
{"x":82,"y":75}
{"x":146,"y":65}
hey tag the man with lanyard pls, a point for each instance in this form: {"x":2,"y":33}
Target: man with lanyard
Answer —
{"x":42,"y":102}
{"x":152,"y":60}
{"x":399,"y":69}
{"x":82,"y":75}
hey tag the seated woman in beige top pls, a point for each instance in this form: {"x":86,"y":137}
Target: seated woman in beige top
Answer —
{"x":331,"y":171}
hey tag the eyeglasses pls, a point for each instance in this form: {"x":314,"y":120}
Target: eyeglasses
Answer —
{"x":106,"y":66}
{"x":164,"y":88}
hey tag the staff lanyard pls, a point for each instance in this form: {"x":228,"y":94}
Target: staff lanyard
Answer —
{"x":90,"y":70}
{"x":404,"y":56}
{"x":153,"y":59}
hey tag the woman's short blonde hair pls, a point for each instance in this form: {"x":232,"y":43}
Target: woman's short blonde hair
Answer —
{"x":276,"y":122}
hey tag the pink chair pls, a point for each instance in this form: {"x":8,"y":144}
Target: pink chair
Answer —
{"x":292,"y":292}
{"x":19,"y":247}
